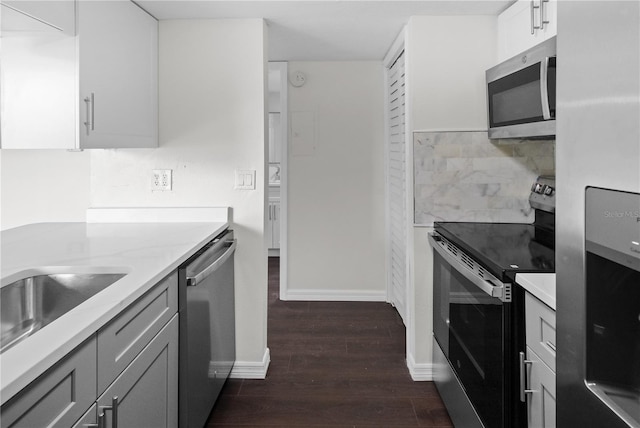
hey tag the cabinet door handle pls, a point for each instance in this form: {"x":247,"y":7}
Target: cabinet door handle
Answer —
{"x":542,"y":21}
{"x":534,"y":27}
{"x":114,"y":410}
{"x":523,"y":378}
{"x":90,"y":103}
{"x":101,"y":422}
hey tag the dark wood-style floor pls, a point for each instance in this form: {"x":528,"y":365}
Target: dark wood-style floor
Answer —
{"x":333,"y":364}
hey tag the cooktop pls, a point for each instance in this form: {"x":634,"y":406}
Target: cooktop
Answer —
{"x":503,"y":248}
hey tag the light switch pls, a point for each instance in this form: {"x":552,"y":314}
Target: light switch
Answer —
{"x":245,"y":179}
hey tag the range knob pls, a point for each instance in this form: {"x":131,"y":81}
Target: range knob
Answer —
{"x":548,"y":190}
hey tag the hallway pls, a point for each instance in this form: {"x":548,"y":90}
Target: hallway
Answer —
{"x":333,"y":364}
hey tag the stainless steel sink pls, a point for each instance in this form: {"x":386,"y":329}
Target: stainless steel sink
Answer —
{"x":38,"y":297}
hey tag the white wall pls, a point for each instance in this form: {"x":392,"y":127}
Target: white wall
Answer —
{"x":212,"y":81}
{"x":446,"y":61}
{"x":43,"y":186}
{"x":336,"y":183}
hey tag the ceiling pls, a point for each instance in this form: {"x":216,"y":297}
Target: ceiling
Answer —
{"x":324,"y":30}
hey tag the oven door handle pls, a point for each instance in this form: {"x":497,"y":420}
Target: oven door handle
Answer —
{"x":493,"y":288}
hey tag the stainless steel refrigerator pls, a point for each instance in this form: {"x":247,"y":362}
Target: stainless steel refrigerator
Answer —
{"x":598,"y":212}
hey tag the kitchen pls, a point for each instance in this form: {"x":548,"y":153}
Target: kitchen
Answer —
{"x":204,"y":172}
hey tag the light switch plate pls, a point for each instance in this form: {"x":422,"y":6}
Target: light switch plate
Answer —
{"x":245,"y":179}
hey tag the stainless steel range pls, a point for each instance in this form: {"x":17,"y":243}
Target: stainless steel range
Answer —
{"x":478,"y":314}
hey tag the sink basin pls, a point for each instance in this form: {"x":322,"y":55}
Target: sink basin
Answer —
{"x":34,"y":298}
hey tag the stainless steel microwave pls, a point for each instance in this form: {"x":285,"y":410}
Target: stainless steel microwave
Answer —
{"x":521,"y":93}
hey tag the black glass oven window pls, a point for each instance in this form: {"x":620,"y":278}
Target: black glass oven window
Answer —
{"x":516,"y":98}
{"x":441,"y":281}
{"x":476,"y":347}
{"x":613,"y":331}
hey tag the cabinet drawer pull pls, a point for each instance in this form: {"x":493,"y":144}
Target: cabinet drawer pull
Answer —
{"x":523,"y":378}
{"x":114,"y":409}
{"x":90,"y":102}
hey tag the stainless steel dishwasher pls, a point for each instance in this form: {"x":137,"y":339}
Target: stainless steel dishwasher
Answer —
{"x":207,"y":328}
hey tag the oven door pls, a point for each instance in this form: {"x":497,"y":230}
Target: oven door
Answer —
{"x":471,"y":322}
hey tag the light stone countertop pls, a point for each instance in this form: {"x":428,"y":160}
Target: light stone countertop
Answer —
{"x":541,"y":285}
{"x":146,"y":251}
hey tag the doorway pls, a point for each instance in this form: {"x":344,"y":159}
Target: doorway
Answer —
{"x":276,"y":229}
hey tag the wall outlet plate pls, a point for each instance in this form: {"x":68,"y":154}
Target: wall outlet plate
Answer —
{"x":161,"y":179}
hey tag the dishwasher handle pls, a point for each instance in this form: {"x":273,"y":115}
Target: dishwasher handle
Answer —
{"x":197,"y":278}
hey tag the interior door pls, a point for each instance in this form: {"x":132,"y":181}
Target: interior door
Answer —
{"x":397,"y":190}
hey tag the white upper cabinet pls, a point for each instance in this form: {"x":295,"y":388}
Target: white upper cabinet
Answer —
{"x":38,"y":75}
{"x":48,"y":15}
{"x":525,"y":24}
{"x":78,"y":74}
{"x":118,"y":66}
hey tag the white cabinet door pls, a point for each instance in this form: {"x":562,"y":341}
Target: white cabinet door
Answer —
{"x":38,"y":74}
{"x":59,"y":15}
{"x":541,"y":403}
{"x":147,"y":391}
{"x":516,"y":26}
{"x":118,"y":71}
{"x":98,"y":89}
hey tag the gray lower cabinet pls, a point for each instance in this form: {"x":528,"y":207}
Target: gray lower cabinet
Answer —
{"x":541,"y":406}
{"x":134,"y":358}
{"x":90,"y":419}
{"x":541,"y":362}
{"x":60,"y":396}
{"x":125,"y":336}
{"x":147,"y":391}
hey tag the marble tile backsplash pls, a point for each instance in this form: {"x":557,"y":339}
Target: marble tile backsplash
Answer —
{"x":464,"y":176}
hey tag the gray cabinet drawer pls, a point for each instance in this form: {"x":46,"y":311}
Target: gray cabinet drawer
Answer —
{"x":541,"y":329}
{"x":60,"y":396}
{"x":120,"y":341}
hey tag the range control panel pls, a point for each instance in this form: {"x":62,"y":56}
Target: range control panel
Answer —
{"x":543,"y":193}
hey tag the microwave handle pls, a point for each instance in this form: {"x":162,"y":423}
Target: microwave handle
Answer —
{"x":544,"y":88}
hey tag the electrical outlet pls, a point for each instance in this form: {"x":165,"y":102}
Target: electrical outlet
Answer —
{"x":161,"y":179}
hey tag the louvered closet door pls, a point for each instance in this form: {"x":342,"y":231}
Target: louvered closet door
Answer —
{"x":396,"y":177}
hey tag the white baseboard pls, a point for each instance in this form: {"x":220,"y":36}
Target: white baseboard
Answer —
{"x":419,"y":372}
{"x":335,"y":295}
{"x":251,"y":369}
